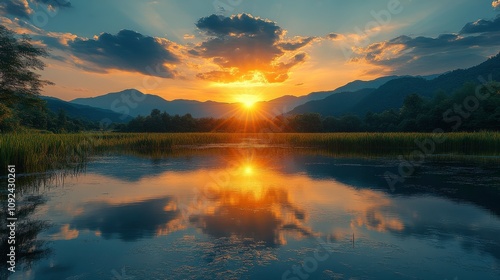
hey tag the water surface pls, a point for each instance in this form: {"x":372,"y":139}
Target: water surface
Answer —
{"x":260,"y":213}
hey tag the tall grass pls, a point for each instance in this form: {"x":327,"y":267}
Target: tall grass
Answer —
{"x":477,"y":143}
{"x":40,"y":152}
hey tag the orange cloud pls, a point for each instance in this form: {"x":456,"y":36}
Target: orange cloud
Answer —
{"x":242,"y":46}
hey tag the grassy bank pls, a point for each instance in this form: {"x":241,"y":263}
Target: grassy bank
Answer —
{"x":39,"y":152}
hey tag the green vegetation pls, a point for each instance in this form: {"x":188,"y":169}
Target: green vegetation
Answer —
{"x":20,"y":86}
{"x":41,"y":152}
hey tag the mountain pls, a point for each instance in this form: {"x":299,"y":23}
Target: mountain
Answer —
{"x":135,"y":103}
{"x":392,"y":94}
{"x":83,"y":111}
{"x":351,"y":87}
{"x":286,"y":103}
{"x":339,"y":103}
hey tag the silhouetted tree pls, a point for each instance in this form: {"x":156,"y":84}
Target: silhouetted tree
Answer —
{"x":19,"y":83}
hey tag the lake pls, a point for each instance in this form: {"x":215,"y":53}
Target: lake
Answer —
{"x":260,"y":213}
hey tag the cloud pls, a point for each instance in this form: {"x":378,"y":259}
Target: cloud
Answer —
{"x":482,"y":26}
{"x":243,"y":47}
{"x":21,"y":8}
{"x":128,"y":51}
{"x":18,"y":8}
{"x":333,"y":36}
{"x":422,"y":55}
{"x":53,"y":3}
{"x":296,"y":44}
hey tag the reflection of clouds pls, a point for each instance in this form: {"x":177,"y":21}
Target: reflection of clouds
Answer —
{"x":263,"y":216}
{"x":130,"y":221}
{"x":368,"y":208}
{"x":445,"y":220}
{"x":375,"y":220}
{"x":65,"y":233}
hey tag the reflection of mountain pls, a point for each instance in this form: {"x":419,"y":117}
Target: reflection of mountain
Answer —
{"x":129,"y":221}
{"x":264,"y":217}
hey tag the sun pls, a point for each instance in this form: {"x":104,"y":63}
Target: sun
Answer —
{"x":248,"y":101}
{"x":248,"y":170}
{"x":248,"y":104}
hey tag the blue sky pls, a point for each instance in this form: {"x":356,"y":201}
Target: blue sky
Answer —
{"x":249,"y":49}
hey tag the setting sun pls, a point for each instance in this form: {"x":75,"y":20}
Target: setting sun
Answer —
{"x":247,"y":101}
{"x":248,"y":170}
{"x":248,"y":104}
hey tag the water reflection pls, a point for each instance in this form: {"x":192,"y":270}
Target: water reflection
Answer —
{"x":263,"y":216}
{"x":129,"y":221}
{"x":28,"y":247}
{"x":236,"y":214}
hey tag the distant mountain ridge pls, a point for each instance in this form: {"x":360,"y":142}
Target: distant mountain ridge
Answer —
{"x":357,"y":97}
{"x":85,"y":112}
{"x":392,"y":94}
{"x":133,"y":102}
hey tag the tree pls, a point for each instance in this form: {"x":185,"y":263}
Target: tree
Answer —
{"x":19,"y":59}
{"x":412,"y":106}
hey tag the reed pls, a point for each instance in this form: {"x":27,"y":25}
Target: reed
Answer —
{"x":40,"y":152}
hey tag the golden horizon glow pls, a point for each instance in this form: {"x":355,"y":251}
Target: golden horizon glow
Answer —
{"x":248,"y":100}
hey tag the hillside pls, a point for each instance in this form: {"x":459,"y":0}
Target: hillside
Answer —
{"x":135,"y":103}
{"x":84,"y":112}
{"x":392,"y":94}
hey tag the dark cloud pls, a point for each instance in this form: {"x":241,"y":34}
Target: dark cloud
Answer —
{"x":243,"y":46}
{"x":129,"y":51}
{"x":18,"y":8}
{"x":332,"y":36}
{"x":21,"y":8}
{"x":297,"y":44}
{"x":240,"y":25}
{"x":482,"y":26}
{"x":421,"y":55}
{"x":53,"y":3}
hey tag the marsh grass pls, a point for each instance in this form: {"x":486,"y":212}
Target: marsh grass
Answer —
{"x":41,"y":152}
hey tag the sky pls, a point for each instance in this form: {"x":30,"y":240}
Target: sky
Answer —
{"x":241,"y":50}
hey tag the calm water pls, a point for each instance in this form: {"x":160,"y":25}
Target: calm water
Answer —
{"x":262,"y":214}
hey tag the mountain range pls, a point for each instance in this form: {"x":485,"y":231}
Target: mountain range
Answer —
{"x":357,"y":97}
{"x":78,"y":111}
{"x":392,"y":94}
{"x":134,"y":103}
